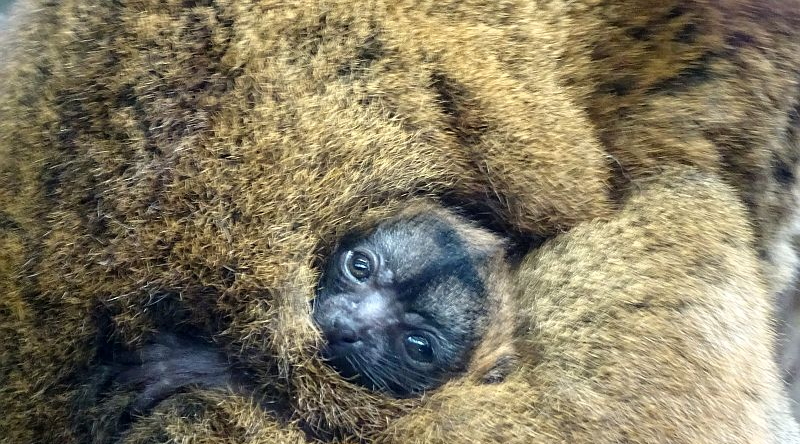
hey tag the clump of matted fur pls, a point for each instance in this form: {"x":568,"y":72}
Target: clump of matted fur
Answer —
{"x":179,"y":162}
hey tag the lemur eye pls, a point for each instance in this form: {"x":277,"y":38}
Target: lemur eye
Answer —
{"x":418,"y":348}
{"x":360,"y":265}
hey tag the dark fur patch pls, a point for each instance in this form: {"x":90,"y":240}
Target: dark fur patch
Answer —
{"x":314,"y":35}
{"x":619,"y":87}
{"x":196,"y":3}
{"x":739,"y":39}
{"x":126,"y":96}
{"x":455,"y":260}
{"x":641,"y":33}
{"x":370,"y":51}
{"x":7,"y":222}
{"x":687,"y":34}
{"x":72,"y":119}
{"x":782,"y":171}
{"x":697,"y":73}
{"x":456,"y":103}
{"x":676,"y":12}
{"x":227,"y":275}
{"x":51,"y":178}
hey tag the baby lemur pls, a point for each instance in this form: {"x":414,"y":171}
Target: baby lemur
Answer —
{"x":402,"y":308}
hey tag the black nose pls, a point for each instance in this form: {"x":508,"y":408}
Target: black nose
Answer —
{"x":337,"y":321}
{"x":343,"y":332}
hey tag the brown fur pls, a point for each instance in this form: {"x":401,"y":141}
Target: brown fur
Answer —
{"x":190,"y":162}
{"x":596,"y":332}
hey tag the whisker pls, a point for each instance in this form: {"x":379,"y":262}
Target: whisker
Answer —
{"x":367,"y":372}
{"x":407,"y":376}
{"x":386,"y":372}
{"x":417,"y":375}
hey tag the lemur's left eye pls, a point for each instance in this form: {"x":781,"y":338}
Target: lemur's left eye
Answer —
{"x":418,"y":348}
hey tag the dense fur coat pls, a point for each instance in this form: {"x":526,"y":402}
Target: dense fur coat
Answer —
{"x":190,"y":163}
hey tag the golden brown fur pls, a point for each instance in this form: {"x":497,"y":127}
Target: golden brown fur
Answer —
{"x":189,"y":162}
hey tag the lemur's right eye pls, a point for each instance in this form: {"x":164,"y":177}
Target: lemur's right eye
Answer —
{"x":359,"y":265}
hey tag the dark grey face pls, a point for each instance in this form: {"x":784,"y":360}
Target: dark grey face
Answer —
{"x":402,"y":307}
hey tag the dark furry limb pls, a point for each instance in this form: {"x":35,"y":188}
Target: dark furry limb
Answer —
{"x":126,"y":384}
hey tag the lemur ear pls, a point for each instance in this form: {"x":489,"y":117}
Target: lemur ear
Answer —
{"x":496,"y":367}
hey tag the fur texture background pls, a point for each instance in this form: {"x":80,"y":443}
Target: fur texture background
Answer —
{"x":191,"y":163}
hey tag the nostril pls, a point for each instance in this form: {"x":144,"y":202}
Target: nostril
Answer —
{"x":343,"y":333}
{"x":348,"y":336}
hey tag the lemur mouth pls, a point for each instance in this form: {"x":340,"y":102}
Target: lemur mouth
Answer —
{"x":345,"y":362}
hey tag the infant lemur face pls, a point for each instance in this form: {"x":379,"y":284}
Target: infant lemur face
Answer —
{"x":402,"y":307}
